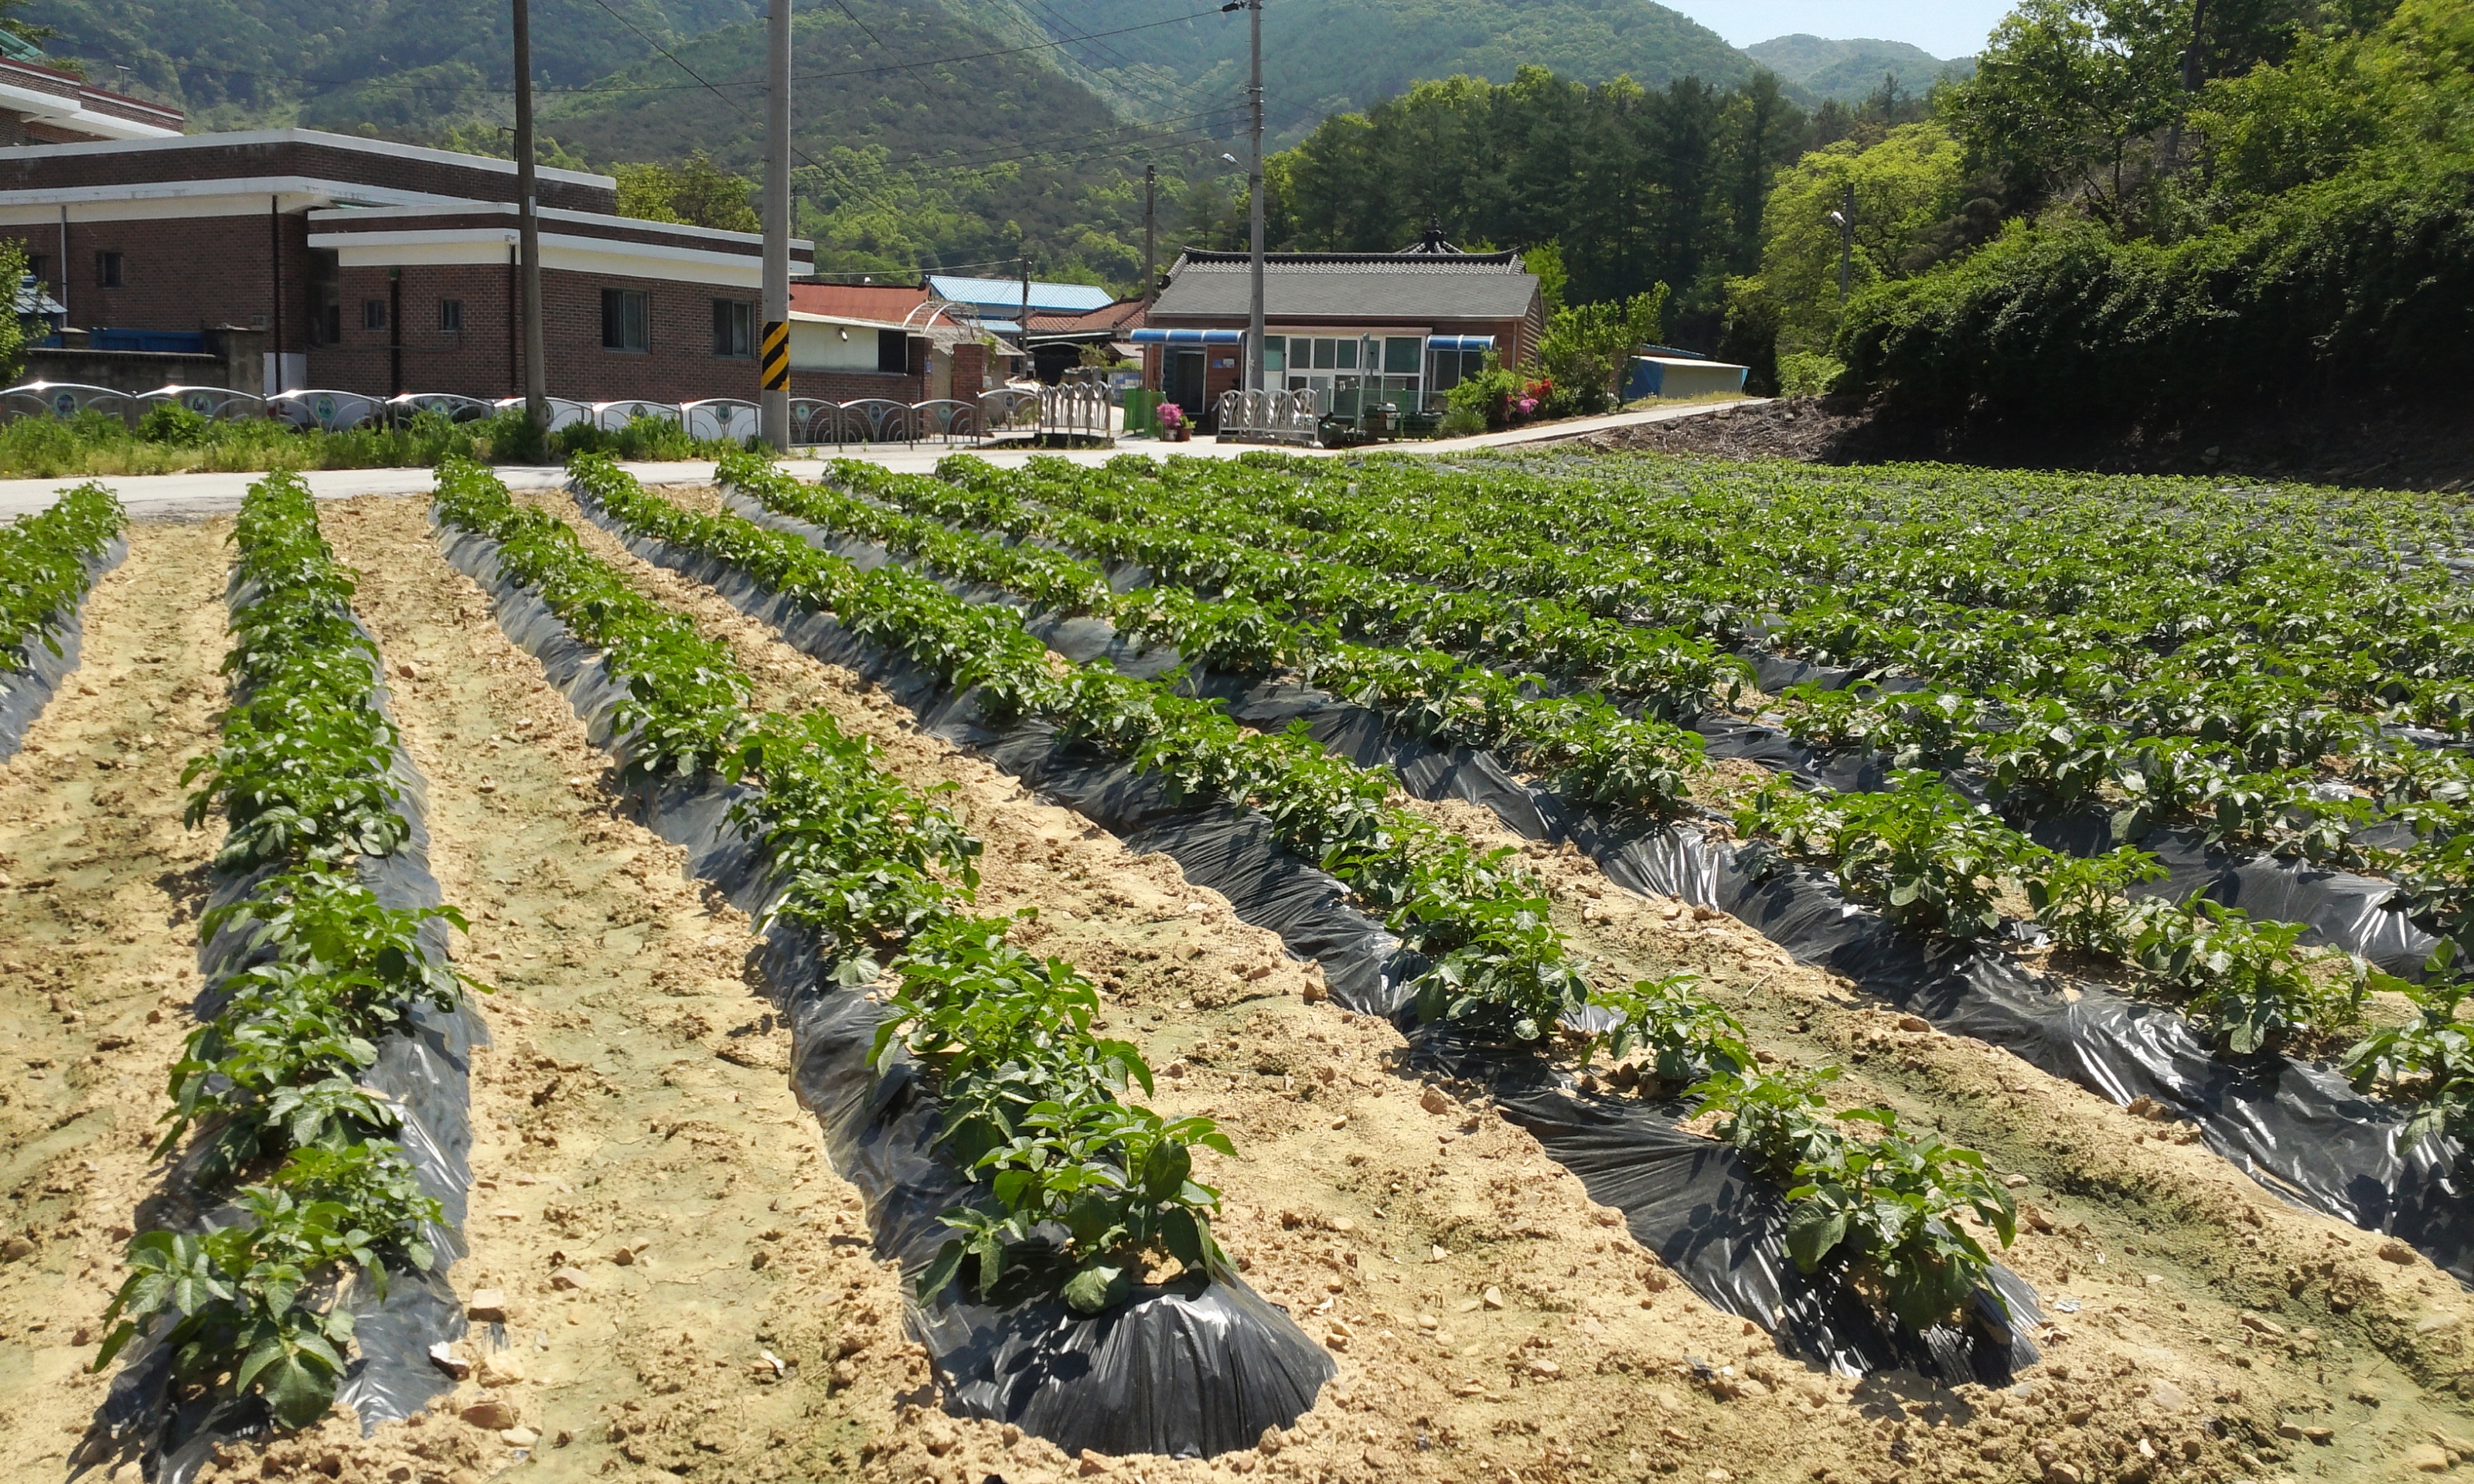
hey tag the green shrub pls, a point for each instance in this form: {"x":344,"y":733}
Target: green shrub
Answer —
{"x":1809,"y":373}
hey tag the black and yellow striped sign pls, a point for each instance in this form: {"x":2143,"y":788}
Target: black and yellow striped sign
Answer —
{"x":777,"y":356}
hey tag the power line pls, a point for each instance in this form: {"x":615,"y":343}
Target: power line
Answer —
{"x":665,"y":87}
{"x":844,"y":7}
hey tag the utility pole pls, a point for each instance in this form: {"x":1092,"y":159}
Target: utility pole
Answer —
{"x":528,"y":226}
{"x":1151,"y":234}
{"x":1022,"y":324}
{"x":1255,"y":188}
{"x":774,"y":355}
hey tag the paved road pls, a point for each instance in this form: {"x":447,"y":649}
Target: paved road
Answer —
{"x":171,"y":496}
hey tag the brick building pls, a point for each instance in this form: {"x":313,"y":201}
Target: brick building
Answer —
{"x":372,"y":267}
{"x":43,"y":104}
{"x":853,"y":341}
{"x":1398,"y":327}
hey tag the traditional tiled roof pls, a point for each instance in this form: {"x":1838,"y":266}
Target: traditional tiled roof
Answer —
{"x":1352,"y":285}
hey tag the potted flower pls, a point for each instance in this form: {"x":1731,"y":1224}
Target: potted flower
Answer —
{"x":1173,"y":426}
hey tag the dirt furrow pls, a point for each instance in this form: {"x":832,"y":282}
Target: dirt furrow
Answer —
{"x":98,"y":963}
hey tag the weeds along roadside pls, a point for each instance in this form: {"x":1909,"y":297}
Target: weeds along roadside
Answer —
{"x":1497,"y":970}
{"x":170,"y":438}
{"x":314,"y":1204}
{"x":1930,"y":858}
{"x":881,"y":877}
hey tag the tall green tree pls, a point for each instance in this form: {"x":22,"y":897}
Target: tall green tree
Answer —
{"x":2070,"y":94}
{"x":1903,"y":189}
{"x":1636,"y":186}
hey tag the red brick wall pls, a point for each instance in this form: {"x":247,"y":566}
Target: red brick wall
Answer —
{"x":970,"y":371}
{"x":680,"y":367}
{"x":474,"y":362}
{"x":188,"y":275}
{"x":181,"y":275}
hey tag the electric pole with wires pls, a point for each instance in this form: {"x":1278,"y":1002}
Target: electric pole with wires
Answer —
{"x":1254,"y":10}
{"x":528,"y":284}
{"x":773,"y":410}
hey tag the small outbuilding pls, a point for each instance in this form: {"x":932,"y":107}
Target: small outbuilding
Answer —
{"x":1666,"y":373}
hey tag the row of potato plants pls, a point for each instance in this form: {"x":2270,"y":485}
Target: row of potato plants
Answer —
{"x":2235,"y":748}
{"x":269,"y":1100}
{"x":2041,"y":756}
{"x":1888,"y":1204}
{"x":1585,"y":746}
{"x":881,"y":877}
{"x":1979,"y":578}
{"x":1931,"y":858}
{"x":45,"y":562}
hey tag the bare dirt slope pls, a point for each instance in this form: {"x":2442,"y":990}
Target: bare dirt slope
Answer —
{"x":2423,"y":443}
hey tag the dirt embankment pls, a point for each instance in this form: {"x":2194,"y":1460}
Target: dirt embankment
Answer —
{"x":2419,"y":443}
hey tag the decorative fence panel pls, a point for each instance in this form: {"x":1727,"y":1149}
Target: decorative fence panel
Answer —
{"x":1270,"y":417}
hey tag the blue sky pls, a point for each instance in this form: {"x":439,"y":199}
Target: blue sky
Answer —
{"x":1945,"y":28}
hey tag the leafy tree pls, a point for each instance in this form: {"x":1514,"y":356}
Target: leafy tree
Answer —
{"x":1588,"y":347}
{"x":2342,"y":249}
{"x":22,"y":29}
{"x":1904,"y":188}
{"x":2069,"y":93}
{"x":13,"y":329}
{"x":698,"y":193}
{"x":1547,"y":261}
{"x":1634,"y":186}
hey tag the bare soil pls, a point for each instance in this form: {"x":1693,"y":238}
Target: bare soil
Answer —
{"x":98,"y":965}
{"x":1488,"y":1321}
{"x":2418,"y":442}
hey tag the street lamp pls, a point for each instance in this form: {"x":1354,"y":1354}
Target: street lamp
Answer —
{"x":1254,"y":10}
{"x":1844,"y":219}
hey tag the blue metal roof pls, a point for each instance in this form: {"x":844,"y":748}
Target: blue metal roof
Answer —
{"x":1007,"y":293}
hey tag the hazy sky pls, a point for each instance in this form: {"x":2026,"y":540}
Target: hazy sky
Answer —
{"x":1945,"y":28}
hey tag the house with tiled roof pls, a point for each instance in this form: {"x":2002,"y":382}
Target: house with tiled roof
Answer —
{"x":1403,"y":327}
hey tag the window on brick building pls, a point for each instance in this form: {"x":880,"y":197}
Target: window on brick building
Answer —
{"x":41,"y":267}
{"x":373,"y":314}
{"x":892,"y":351}
{"x":626,"y":320}
{"x":734,"y":327}
{"x":107,"y":269}
{"x":450,"y":315}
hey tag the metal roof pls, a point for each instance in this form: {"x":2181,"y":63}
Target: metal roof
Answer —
{"x":1006,"y":293}
{"x":1352,"y":286}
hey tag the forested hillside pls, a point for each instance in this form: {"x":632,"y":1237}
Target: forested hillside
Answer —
{"x":2280,"y":208}
{"x":409,"y":67}
{"x":1334,"y":56}
{"x":1851,"y":70}
{"x":897,"y":163}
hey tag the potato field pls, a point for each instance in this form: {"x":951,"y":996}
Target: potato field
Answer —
{"x":1543,"y":967}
